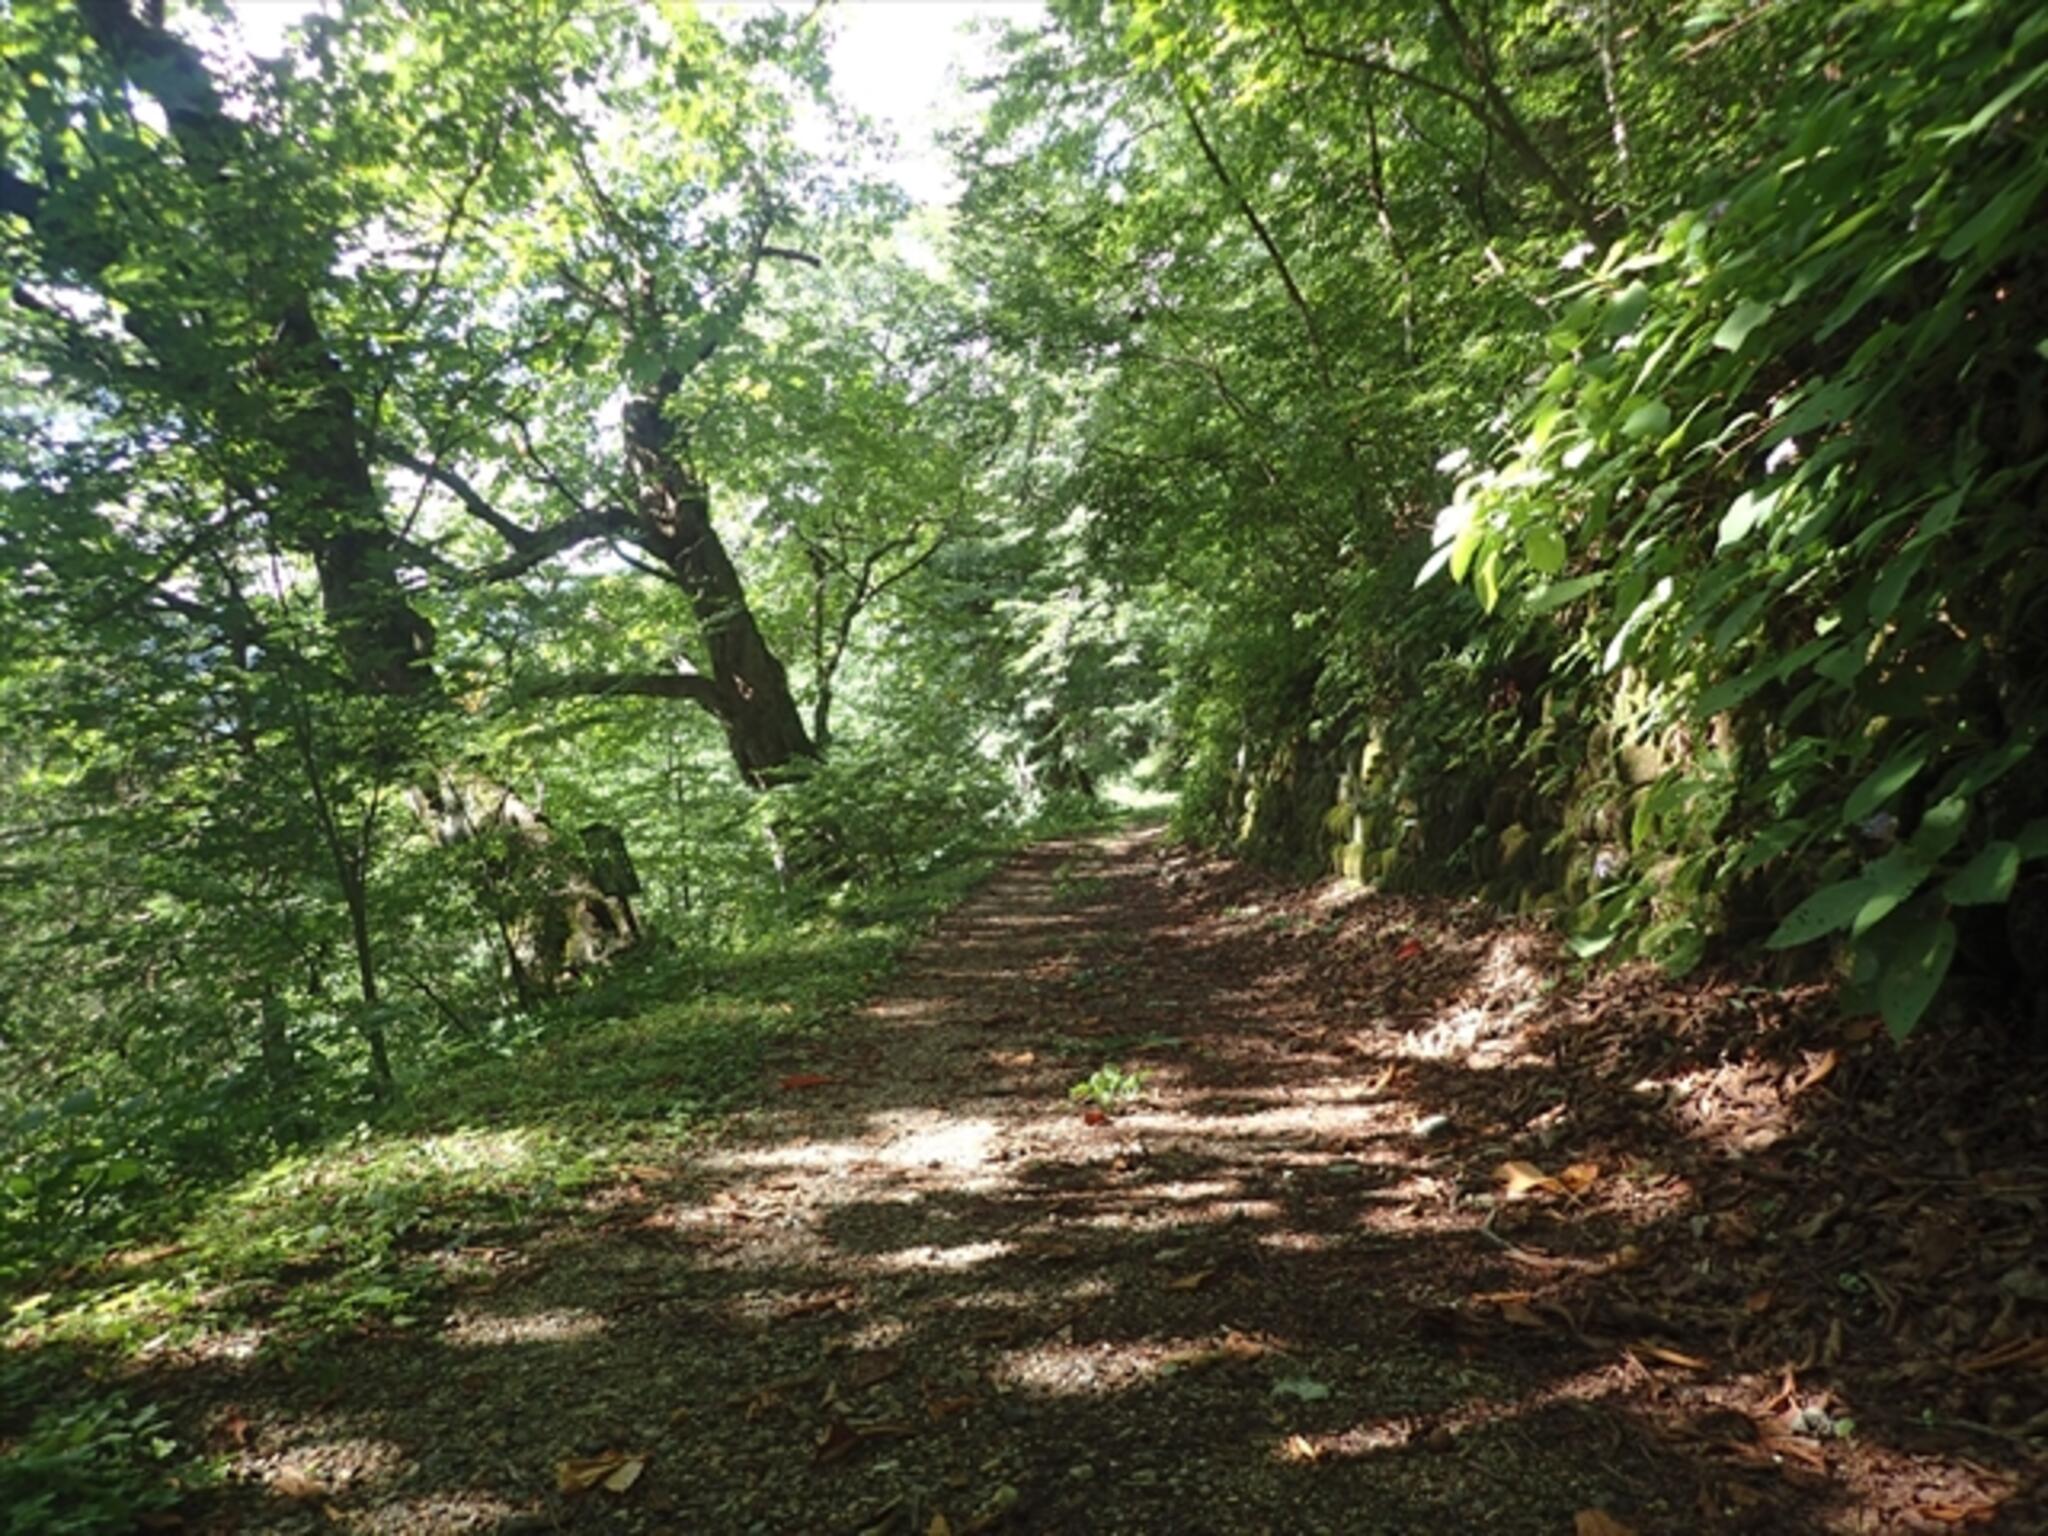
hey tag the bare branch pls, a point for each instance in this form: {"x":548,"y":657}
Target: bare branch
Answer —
{"x":1265,"y":236}
{"x":530,"y":546}
{"x":544,"y":544}
{"x":473,"y":501}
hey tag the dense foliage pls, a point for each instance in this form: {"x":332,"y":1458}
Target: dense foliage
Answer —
{"x":1720,"y":333}
{"x":375,"y":671}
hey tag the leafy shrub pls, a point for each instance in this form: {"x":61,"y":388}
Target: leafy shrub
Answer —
{"x":1109,"y":1087}
{"x":92,"y":1466}
{"x":1781,"y":473}
{"x":868,"y":817}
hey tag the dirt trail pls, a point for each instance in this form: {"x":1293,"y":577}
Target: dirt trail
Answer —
{"x":1279,"y":1292}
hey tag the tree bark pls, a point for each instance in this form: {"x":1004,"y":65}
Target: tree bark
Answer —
{"x":327,"y":505}
{"x":749,"y":688}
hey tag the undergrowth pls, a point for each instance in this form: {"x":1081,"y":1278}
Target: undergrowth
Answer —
{"x":360,"y":1229}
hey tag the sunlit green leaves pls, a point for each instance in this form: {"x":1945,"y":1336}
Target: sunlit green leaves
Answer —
{"x":1987,"y":879}
{"x":1745,"y":318}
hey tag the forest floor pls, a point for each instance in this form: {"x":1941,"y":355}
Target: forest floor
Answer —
{"x":1407,"y":1227}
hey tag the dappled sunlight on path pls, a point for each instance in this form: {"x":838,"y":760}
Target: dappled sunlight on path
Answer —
{"x":1282,"y":1288}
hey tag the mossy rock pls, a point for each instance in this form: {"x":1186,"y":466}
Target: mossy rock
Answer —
{"x":1502,"y":807}
{"x":1517,"y":848}
{"x":1641,"y":764}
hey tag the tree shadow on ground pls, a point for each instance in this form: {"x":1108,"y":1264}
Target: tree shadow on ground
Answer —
{"x":1269,"y":1295}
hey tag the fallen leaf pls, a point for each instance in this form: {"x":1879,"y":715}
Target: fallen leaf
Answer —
{"x":943,"y":1408}
{"x":613,"y":1471}
{"x":1978,"y":1513}
{"x":1525,"y":1178}
{"x":1235,"y":1346}
{"x":835,"y":1440}
{"x":296,"y":1483}
{"x":773,"y":1389}
{"x":797,"y":1081}
{"x":875,"y":1366}
{"x":1520,"y":1314}
{"x":1094,"y":1117}
{"x":842,"y":1435}
{"x":1800,"y":1450}
{"x":1758,"y":1301}
{"x":1579,"y":1177}
{"x":1816,"y":1074}
{"x":1787,"y":1393}
{"x":1190,"y":1282}
{"x":1409,"y":950}
{"x":1299,"y":1448}
{"x":1001,"y":1502}
{"x":1597,"y":1522}
{"x":940,"y":1526}
{"x":626,"y":1476}
{"x":810,"y":1306}
{"x":1670,"y":1356}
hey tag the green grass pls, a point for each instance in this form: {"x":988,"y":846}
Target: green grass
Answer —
{"x":364,"y":1228}
{"x":332,"y":1238}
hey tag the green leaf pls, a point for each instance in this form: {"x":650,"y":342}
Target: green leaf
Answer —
{"x":1988,"y":768}
{"x":1893,"y":775}
{"x":1826,"y":911}
{"x":2033,"y":839}
{"x":1987,"y":879}
{"x":1650,"y":419}
{"x":1545,"y":599}
{"x":1744,"y":513}
{"x":1891,"y":880}
{"x":1435,"y":563}
{"x":1914,"y":949}
{"x":1486,"y":581}
{"x":1734,"y":331}
{"x":1626,"y":309}
{"x":1993,"y":220}
{"x":1465,"y":548}
{"x":1941,"y":828}
{"x":1989,"y":112}
{"x":1544,"y":546}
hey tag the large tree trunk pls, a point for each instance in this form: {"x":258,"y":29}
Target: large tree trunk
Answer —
{"x":325,"y":500}
{"x":749,"y":688}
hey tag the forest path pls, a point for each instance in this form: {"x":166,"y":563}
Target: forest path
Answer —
{"x":926,"y":1291}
